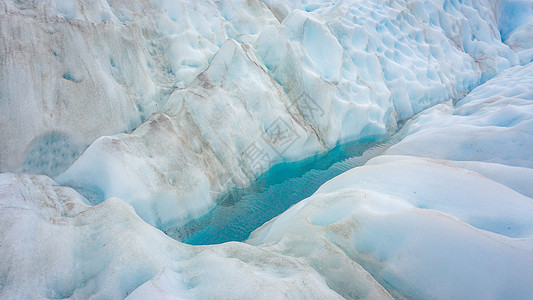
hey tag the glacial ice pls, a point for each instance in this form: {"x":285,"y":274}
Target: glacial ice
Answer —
{"x":242,"y":210}
{"x":94,"y":68}
{"x":326,"y":76}
{"x":435,"y":216}
{"x":54,"y":246}
{"x":144,"y":113}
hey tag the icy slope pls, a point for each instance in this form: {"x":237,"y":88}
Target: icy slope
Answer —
{"x":83,"y":69}
{"x":334,"y":74}
{"x":53,"y":246}
{"x":444,"y":214}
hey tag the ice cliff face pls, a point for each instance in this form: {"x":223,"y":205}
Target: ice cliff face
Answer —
{"x":163,"y":105}
{"x":325,"y":73}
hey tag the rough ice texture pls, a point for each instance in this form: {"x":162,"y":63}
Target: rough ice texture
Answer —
{"x":444,"y":214}
{"x":412,"y":223}
{"x":514,"y":19}
{"x":325,"y":74}
{"x":85,"y":69}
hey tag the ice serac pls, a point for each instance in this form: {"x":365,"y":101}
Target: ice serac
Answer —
{"x":326,"y":74}
{"x":443,"y":214}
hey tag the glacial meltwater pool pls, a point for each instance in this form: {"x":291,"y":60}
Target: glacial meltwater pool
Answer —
{"x":241,"y":211}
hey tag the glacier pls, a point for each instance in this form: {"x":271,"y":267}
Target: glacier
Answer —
{"x":121,"y":121}
{"x":360,"y":91}
{"x":445,"y":213}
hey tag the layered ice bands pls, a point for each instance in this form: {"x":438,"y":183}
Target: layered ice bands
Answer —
{"x":299,"y":79}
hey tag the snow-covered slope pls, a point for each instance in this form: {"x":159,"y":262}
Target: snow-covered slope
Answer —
{"x":323,"y":75}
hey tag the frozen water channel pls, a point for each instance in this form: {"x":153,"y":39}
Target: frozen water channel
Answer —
{"x":241,"y":211}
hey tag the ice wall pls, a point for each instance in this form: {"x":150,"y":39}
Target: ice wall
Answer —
{"x":84,"y":69}
{"x":174,"y":164}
